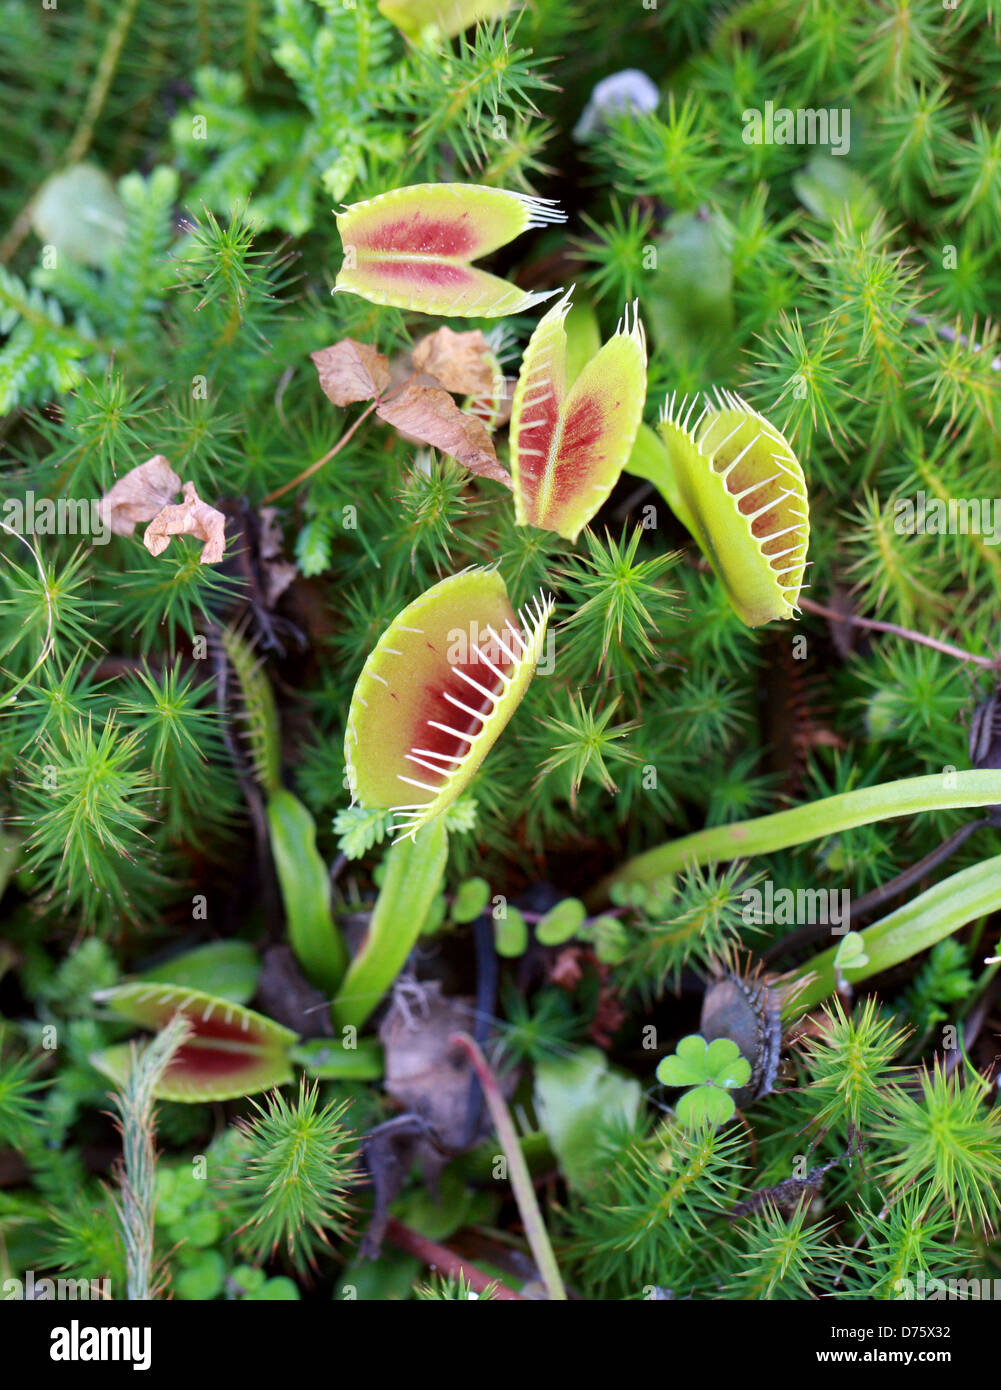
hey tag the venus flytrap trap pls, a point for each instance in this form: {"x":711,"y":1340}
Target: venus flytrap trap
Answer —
{"x":228,"y":1051}
{"x":436,"y":693}
{"x":738,"y":487}
{"x":412,"y":248}
{"x":571,"y":438}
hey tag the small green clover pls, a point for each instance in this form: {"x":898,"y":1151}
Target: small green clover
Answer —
{"x":851,"y":954}
{"x":713,"y":1070}
{"x":251,"y":1285}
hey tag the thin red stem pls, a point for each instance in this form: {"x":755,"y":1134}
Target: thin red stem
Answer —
{"x":811,"y":606}
{"x":445,"y":1261}
{"x":314,"y":467}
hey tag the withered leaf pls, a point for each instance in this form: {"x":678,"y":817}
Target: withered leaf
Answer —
{"x":277,"y":573}
{"x":351,"y":371}
{"x":139,"y":494}
{"x":429,"y":414}
{"x":460,"y":361}
{"x":192,"y":517}
{"x":430,"y":1079}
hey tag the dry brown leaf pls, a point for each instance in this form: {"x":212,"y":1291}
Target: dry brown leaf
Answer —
{"x":139,"y":494}
{"x":429,"y":414}
{"x":424,"y":1072}
{"x":276,"y":572}
{"x":460,"y":361}
{"x":351,"y":371}
{"x":192,"y":517}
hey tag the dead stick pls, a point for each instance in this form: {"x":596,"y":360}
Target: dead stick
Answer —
{"x":521,"y":1180}
{"x":446,"y":1261}
{"x":810,"y":605}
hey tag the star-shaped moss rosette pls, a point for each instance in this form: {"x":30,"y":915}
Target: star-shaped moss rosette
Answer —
{"x":570,"y":440}
{"x":231,"y":1051}
{"x":435,"y":693}
{"x":412,"y":248}
{"x":734,"y":481}
{"x":712,"y":1070}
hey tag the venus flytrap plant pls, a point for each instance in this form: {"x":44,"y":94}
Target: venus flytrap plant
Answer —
{"x":433,"y":697}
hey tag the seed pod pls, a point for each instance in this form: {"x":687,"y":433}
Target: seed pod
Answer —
{"x":742,"y":494}
{"x":747,"y":1010}
{"x":435,"y":693}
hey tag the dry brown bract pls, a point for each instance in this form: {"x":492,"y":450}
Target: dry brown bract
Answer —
{"x":350,"y":371}
{"x":146,"y":493}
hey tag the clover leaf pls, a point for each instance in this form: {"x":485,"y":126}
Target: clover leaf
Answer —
{"x":712,"y":1070}
{"x":851,"y":954}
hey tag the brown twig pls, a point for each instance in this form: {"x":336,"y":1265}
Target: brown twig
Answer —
{"x":314,"y":467}
{"x":810,"y":605}
{"x":445,"y":1261}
